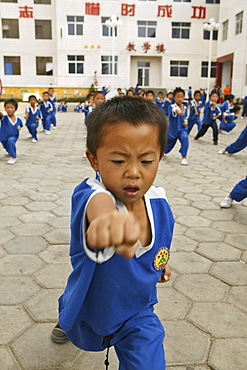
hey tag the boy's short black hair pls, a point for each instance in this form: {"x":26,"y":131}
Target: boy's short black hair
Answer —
{"x":149,"y":92}
{"x":124,"y":109}
{"x":11,"y":101}
{"x":178,"y":90}
{"x":32,"y":96}
{"x":212,"y":93}
{"x":98,"y":93}
{"x":45,"y":92}
{"x":236,"y":108}
{"x":230,"y":97}
{"x":197,"y":92}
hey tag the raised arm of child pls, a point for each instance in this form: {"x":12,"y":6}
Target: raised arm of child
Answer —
{"x":108,"y":227}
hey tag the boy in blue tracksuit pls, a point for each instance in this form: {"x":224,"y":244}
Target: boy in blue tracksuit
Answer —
{"x":79,"y":107}
{"x":210,"y":115}
{"x":33,"y":116}
{"x":46,"y":110}
{"x":121,"y":231}
{"x":177,"y":128}
{"x":227,"y":124}
{"x":10,"y":126}
{"x":62,"y":106}
{"x":159,"y":101}
{"x":227,"y":106}
{"x":167,"y":102}
{"x":195,"y":110}
{"x":53,"y":100}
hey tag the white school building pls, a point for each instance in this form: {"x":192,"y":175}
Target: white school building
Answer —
{"x":160,"y":45}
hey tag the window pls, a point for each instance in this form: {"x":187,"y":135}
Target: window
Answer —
{"x":224,"y":30}
{"x":239,"y":23}
{"x":76,"y":64}
{"x":10,"y":28}
{"x":42,"y":1}
{"x":179,"y":68}
{"x":182,"y":1}
{"x":12,"y":65}
{"x":107,"y":31}
{"x":43,"y":30}
{"x":75,"y":25}
{"x":146,"y":28}
{"x":44,"y":66}
{"x":204,"y":71}
{"x":212,"y":1}
{"x":180,"y":30}
{"x":8,"y":1}
{"x":106,"y":65}
{"x":206,"y":35}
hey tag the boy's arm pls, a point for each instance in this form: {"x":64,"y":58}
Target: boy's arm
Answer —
{"x":108,"y":227}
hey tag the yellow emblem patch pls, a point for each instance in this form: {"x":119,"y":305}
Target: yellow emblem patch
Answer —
{"x":19,"y":127}
{"x":161,"y":258}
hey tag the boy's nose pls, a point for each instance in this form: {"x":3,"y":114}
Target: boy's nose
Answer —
{"x":133,"y":171}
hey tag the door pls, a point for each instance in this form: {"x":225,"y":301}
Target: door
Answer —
{"x":143,"y":73}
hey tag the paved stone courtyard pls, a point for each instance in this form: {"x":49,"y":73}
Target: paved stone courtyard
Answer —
{"x":203,"y":307}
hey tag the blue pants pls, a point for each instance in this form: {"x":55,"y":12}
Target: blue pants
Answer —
{"x":239,"y":192}
{"x":33,"y":130}
{"x":197,"y":121}
{"x":46,"y":122}
{"x":239,"y":144}
{"x":183,"y":138}
{"x":227,"y":126}
{"x":9,"y":145}
{"x":204,"y":129}
{"x":53,"y":117}
{"x":138,"y":343}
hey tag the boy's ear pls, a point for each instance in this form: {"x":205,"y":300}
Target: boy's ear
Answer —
{"x":93,"y":160}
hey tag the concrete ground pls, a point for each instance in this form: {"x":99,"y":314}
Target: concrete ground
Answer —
{"x":204,"y":306}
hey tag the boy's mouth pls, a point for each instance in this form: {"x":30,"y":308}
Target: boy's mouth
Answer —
{"x":131,"y":190}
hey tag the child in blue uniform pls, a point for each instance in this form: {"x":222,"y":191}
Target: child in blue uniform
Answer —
{"x":210,"y":115}
{"x":121,"y":231}
{"x":227,"y":106}
{"x":46,"y":110}
{"x":238,"y":193}
{"x":167,"y":102}
{"x":10,"y":126}
{"x":195,"y":110}
{"x":53,"y":100}
{"x":227,"y":124}
{"x":62,"y":108}
{"x":33,"y":116}
{"x":79,"y":107}
{"x":159,"y":101}
{"x":177,"y":128}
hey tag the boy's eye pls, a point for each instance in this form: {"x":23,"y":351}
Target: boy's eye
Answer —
{"x":147,"y":162}
{"x":118,"y":161}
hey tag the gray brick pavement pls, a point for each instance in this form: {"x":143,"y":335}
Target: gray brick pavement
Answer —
{"x":203,"y":307}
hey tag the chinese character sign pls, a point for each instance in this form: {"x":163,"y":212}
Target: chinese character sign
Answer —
{"x":128,"y":10}
{"x":160,"y":48}
{"x":131,"y":46}
{"x":164,"y":11}
{"x":146,"y":46}
{"x":199,"y":12}
{"x":92,"y":8}
{"x":26,"y":11}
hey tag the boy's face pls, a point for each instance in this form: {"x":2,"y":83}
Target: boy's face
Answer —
{"x":160,"y":96}
{"x":179,"y":97}
{"x":197,"y":96}
{"x":45,"y":97}
{"x":150,"y":97}
{"x":51,"y":92}
{"x":170,"y":96}
{"x":214,"y":98}
{"x":127,"y":160}
{"x":32,"y":101}
{"x":10,"y":109}
{"x":98,"y":99}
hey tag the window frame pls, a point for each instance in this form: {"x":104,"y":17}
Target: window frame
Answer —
{"x":14,"y":26}
{"x":42,"y":2}
{"x":16,"y":65}
{"x":46,"y":23}
{"x":179,"y":65}
{"x":182,"y":1}
{"x":225,"y":30}
{"x":212,"y":1}
{"x":108,"y":62}
{"x":147,"y":27}
{"x":239,"y":22}
{"x":107,"y":31}
{"x":181,"y":28}
{"x":76,"y":23}
{"x":76,"y":62}
{"x":45,"y":62}
{"x":206,"y":35}
{"x":205,"y":68}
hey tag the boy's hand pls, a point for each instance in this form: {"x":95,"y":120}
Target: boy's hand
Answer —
{"x":165,"y":275}
{"x":120,"y":230}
